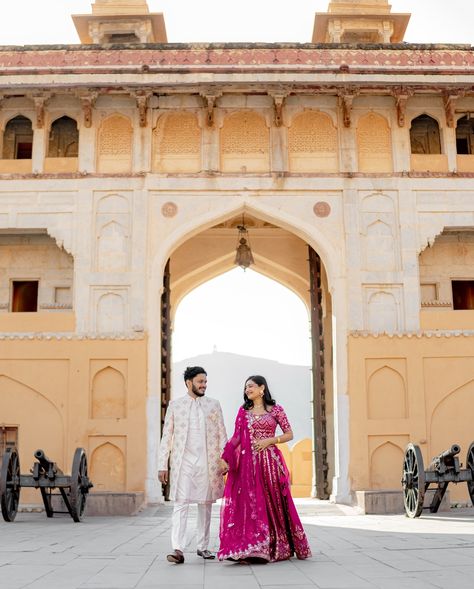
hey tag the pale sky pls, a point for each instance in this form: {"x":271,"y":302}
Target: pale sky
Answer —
{"x":259,"y":317}
{"x":244,"y":313}
{"x":25,"y":22}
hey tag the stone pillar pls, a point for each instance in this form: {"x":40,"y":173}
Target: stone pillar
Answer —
{"x":87,"y":149}
{"x":341,"y":491}
{"x":39,"y":150}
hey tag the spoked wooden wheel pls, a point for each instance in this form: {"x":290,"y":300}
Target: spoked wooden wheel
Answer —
{"x":80,"y":485}
{"x":10,"y":484}
{"x":413,"y":481}
{"x":470,"y":466}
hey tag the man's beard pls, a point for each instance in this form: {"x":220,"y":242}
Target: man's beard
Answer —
{"x":197,"y":392}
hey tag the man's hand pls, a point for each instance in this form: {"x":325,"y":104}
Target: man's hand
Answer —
{"x":163,"y":476}
{"x":224,"y":467}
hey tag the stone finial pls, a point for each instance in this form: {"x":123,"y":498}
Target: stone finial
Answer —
{"x":120,"y":21}
{"x":120,"y":7}
{"x":359,"y":21}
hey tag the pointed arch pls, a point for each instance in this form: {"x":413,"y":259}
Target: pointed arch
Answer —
{"x":386,"y":394}
{"x":379,"y":247}
{"x":452,"y":423}
{"x":385,"y":466}
{"x":108,"y":394}
{"x":63,"y":138}
{"x":108,"y":468}
{"x":49,"y":429}
{"x":110,"y":313}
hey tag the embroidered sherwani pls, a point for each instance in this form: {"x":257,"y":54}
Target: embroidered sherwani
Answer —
{"x":194,"y":437}
{"x":175,"y":435}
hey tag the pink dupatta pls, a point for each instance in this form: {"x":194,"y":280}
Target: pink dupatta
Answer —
{"x":244,"y":529}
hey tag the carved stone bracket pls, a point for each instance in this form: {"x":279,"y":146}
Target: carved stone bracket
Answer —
{"x":142,"y":97}
{"x":210,"y":97}
{"x":39,"y":106}
{"x":450,"y":98}
{"x":346,"y":97}
{"x":401,"y":96}
{"x":278,"y":102}
{"x":87,"y":103}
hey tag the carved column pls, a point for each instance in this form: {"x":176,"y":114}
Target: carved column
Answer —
{"x":39,"y":136}
{"x":450,"y":98}
{"x":279,"y":134}
{"x":401,"y":133}
{"x":142,"y":132}
{"x":349,"y":159}
{"x":87,"y":134}
{"x":210,"y":130}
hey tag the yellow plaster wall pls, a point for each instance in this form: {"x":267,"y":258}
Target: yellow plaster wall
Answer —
{"x":433,"y":162}
{"x":66,"y":393}
{"x":408,"y":389}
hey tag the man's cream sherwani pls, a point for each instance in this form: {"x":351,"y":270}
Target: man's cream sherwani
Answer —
{"x":173,"y":441}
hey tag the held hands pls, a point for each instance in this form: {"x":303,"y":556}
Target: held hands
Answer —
{"x":224,"y":467}
{"x":163,"y":476}
{"x":259,"y":445}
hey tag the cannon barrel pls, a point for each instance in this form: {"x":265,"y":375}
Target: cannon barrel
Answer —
{"x":45,"y":462}
{"x":445,"y":457}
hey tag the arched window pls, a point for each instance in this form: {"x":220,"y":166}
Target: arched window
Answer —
{"x":18,"y":139}
{"x":465,"y":136}
{"x":245,"y":143}
{"x":63,"y":138}
{"x":424,"y":136}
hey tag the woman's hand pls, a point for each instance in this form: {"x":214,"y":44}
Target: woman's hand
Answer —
{"x":259,"y":445}
{"x":224,"y":467}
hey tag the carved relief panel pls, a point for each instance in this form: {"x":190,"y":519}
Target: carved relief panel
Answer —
{"x":110,"y":309}
{"x":312,"y":139}
{"x":177,"y":143}
{"x":379,"y":234}
{"x":112,"y":234}
{"x":374,"y":142}
{"x":114,"y":149}
{"x":383,"y":308}
{"x":245,"y":143}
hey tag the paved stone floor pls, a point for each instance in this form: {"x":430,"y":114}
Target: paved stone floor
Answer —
{"x":350,"y":551}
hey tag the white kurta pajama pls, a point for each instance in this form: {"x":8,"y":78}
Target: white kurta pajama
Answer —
{"x":194,"y":434}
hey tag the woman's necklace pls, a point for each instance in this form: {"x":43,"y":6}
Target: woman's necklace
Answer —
{"x":258,"y":415}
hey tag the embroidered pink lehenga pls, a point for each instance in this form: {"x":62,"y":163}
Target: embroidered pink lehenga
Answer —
{"x":258,"y":516}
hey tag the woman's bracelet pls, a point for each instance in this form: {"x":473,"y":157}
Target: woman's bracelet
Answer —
{"x":278,"y":440}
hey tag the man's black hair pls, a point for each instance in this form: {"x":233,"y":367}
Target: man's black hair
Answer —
{"x":192,"y":371}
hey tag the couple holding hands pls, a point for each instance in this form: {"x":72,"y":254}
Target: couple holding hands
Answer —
{"x":259,"y":521}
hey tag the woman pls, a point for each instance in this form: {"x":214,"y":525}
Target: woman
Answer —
{"x":259,"y":521}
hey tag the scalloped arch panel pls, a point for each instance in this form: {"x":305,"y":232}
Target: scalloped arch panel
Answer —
{"x":385,"y":466}
{"x":108,"y":471}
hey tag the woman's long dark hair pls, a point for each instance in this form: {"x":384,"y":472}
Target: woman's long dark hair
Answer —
{"x":267,"y":398}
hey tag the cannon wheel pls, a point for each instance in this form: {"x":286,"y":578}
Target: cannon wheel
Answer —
{"x":79,"y":485}
{"x":470,"y":466}
{"x":10,"y":484}
{"x":413,"y":481}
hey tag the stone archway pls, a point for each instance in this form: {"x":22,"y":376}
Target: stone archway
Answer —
{"x":186,"y":235}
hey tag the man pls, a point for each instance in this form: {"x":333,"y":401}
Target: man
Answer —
{"x":194,"y":434}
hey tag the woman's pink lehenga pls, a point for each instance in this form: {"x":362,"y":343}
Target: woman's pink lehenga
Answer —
{"x":258,"y":516}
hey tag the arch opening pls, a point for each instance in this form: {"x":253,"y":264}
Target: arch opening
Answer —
{"x":280,"y":255}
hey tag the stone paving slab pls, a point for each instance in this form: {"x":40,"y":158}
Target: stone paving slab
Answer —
{"x":350,"y":551}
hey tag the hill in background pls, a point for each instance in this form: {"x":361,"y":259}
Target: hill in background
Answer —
{"x":290,"y":386}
